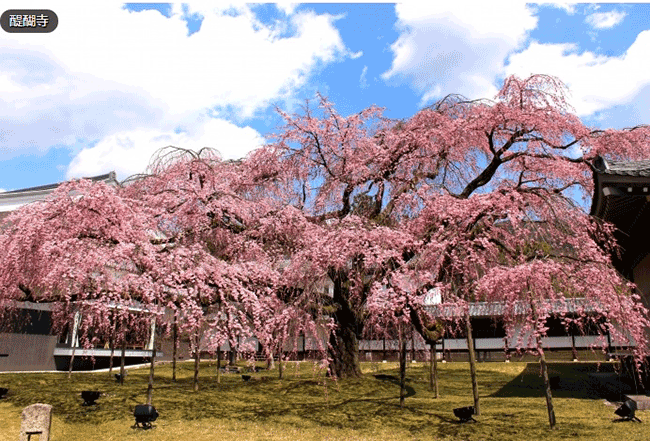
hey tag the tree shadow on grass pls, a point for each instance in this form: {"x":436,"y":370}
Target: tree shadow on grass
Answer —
{"x":361,"y":403}
{"x":410,"y":391}
{"x":368,"y":414}
{"x":568,"y":380}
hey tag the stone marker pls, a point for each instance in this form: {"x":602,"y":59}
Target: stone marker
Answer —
{"x":642,"y":401}
{"x":36,"y":420}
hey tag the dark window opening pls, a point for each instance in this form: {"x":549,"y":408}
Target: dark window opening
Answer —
{"x":32,"y":321}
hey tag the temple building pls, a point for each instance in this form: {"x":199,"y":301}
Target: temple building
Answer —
{"x":32,"y":345}
{"x":622,"y":197}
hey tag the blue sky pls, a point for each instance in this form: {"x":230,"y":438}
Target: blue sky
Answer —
{"x":115,"y":82}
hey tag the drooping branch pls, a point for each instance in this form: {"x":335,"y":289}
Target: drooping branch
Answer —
{"x":488,"y":172}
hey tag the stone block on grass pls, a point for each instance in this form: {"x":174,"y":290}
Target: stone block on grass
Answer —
{"x":36,"y":420}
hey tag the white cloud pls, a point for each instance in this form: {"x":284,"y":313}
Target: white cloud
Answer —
{"x":625,"y":114}
{"x":130,"y":152}
{"x":114,"y":72}
{"x":287,"y":7}
{"x":356,"y":55}
{"x":596,"y":82}
{"x":363,"y":83}
{"x":568,"y":7}
{"x":456,"y":48}
{"x":605,"y":20}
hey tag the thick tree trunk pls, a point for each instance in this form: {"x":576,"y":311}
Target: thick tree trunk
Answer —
{"x":433,"y":373}
{"x":402,"y":368}
{"x":472,"y":364}
{"x":344,"y":352}
{"x":343,"y":349}
{"x":174,"y":347}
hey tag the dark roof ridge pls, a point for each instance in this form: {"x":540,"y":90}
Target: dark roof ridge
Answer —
{"x":622,"y":168}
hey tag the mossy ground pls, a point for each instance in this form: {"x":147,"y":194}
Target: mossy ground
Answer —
{"x":306,"y":405}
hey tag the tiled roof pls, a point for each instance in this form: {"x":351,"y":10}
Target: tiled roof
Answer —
{"x":492,"y":309}
{"x":106,"y":177}
{"x":623,"y":168}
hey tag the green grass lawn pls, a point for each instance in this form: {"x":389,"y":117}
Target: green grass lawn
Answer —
{"x":307,"y":406}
